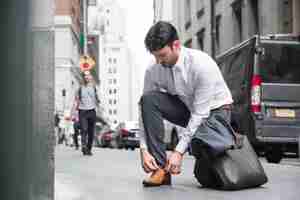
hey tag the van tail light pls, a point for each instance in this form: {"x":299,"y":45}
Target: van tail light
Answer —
{"x":124,"y":132}
{"x":256,"y":94}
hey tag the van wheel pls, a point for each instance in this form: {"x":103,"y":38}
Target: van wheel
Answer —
{"x":274,"y":155}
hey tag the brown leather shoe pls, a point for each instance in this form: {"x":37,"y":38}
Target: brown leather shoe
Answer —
{"x":158,"y":178}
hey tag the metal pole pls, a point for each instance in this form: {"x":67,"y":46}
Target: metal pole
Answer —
{"x":85,"y":26}
{"x":41,"y":155}
{"x":27,"y":104}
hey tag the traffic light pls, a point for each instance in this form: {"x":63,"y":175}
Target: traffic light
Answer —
{"x":86,"y":63}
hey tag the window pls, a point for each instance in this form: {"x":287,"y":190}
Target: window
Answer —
{"x":63,"y":92}
{"x":109,"y":60}
{"x":115,"y":101}
{"x":187,"y":25}
{"x":115,"y":91}
{"x":200,"y":38}
{"x":287,"y":16}
{"x":187,"y":14}
{"x":115,"y":70}
{"x":110,"y":111}
{"x":218,"y":24}
{"x":254,"y":8}
{"x":109,"y":70}
{"x":110,"y":102}
{"x":237,"y":11}
{"x":200,"y":13}
{"x":280,"y":63}
{"x":114,"y":60}
{"x":115,"y":111}
{"x":110,"y":91}
{"x":115,"y":81}
{"x":200,"y":8}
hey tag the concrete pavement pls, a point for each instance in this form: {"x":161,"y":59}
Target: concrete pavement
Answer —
{"x":116,"y":174}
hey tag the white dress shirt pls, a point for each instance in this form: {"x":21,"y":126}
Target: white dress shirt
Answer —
{"x":198,"y":82}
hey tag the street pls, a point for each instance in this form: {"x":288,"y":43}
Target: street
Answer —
{"x":116,"y":174}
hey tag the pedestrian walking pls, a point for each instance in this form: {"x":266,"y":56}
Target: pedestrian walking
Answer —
{"x":185,"y":87}
{"x":56,"y":127}
{"x":76,"y":127}
{"x":87,"y":102}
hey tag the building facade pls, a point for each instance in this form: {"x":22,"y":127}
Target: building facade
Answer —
{"x":163,"y":10}
{"x":116,"y":73}
{"x":234,"y":21}
{"x":67,"y":52}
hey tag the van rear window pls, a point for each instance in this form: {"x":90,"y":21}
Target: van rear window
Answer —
{"x":280,"y":63}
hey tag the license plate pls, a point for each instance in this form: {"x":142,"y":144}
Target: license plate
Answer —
{"x":285,"y":113}
{"x":132,"y":139}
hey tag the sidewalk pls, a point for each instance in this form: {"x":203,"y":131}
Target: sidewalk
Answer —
{"x":64,"y":191}
{"x":112,"y":174}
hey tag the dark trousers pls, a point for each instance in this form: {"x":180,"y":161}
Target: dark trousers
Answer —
{"x":76,"y":127}
{"x":87,"y":119}
{"x":156,"y":106}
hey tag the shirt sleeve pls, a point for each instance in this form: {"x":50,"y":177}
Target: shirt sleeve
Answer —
{"x":143,"y":144}
{"x":148,"y":86}
{"x":204,"y":86}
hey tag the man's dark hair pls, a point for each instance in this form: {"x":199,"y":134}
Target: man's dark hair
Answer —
{"x":160,"y":34}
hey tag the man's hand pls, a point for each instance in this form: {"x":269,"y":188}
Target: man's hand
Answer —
{"x":174,"y":163}
{"x":148,"y":162}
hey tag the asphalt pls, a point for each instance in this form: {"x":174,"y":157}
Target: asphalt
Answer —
{"x":116,"y":174}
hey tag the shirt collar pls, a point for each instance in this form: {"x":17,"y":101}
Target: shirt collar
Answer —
{"x":181,"y":62}
{"x":181,"y":59}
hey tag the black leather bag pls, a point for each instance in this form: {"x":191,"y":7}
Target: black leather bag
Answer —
{"x":237,"y":168}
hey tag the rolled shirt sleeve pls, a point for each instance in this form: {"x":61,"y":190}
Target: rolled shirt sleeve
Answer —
{"x":143,"y":144}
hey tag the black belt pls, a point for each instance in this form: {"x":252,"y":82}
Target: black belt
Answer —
{"x":224,"y":107}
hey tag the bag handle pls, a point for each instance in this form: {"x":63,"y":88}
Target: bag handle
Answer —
{"x":238,"y":138}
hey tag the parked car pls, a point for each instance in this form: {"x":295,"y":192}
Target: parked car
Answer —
{"x":127,"y":135}
{"x":263,"y":75}
{"x":108,"y":139}
{"x":105,"y":137}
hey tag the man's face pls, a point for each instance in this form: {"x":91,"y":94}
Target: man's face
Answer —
{"x":168,"y":55}
{"x":88,"y":78}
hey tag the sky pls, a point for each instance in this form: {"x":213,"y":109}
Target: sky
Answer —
{"x":139,"y":16}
